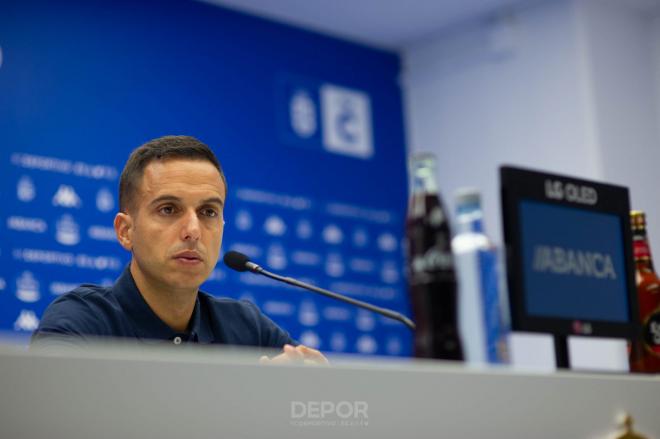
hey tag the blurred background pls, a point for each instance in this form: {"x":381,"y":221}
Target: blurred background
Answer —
{"x":312,"y":108}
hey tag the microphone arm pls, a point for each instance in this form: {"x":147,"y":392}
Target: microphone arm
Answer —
{"x":296,"y":283}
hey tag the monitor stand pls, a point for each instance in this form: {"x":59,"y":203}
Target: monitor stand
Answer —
{"x":562,"y":359}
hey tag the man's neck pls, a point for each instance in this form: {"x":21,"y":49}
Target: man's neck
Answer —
{"x":173,"y":306}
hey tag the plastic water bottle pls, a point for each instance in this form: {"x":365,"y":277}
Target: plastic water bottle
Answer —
{"x":481,"y":313}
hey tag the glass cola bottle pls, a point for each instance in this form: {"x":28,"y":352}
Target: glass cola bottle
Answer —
{"x":645,"y":352}
{"x":430,"y":267}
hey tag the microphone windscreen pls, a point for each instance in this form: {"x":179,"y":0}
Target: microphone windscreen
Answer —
{"x":236,"y":261}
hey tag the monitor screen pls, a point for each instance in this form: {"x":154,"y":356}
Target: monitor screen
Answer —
{"x":569,"y":255}
{"x":573,"y":263}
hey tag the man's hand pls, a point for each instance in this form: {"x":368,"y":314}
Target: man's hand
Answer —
{"x":298,"y":355}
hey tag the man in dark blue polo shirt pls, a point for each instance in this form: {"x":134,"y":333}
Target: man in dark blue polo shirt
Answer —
{"x":172,"y":193}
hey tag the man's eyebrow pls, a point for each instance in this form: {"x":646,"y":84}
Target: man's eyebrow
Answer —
{"x":174,"y":198}
{"x":212,"y":200}
{"x":165,"y":198}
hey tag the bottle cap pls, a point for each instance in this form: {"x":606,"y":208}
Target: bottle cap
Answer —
{"x":637,"y":219}
{"x":467,"y":195}
{"x":421,"y":160}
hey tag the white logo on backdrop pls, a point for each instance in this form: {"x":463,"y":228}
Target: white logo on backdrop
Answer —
{"x":346,"y":121}
{"x":334,"y":265}
{"x":302,"y":112}
{"x":366,"y":344}
{"x":66,"y":196}
{"x":105,"y":202}
{"x":387,"y":242}
{"x":102,"y":233}
{"x":365,"y":321}
{"x":302,"y":257}
{"x":243,"y":220}
{"x":304,"y":229}
{"x":59,"y":288}
{"x":276,"y":258}
{"x":67,"y":231}
{"x":338,"y":342}
{"x":25,"y":190}
{"x":250,"y":250}
{"x":308,"y":315}
{"x":278,"y":308}
{"x":26,"y":321}
{"x":27,"y":287}
{"x":275,"y":226}
{"x":393,"y":346}
{"x":311,"y":339}
{"x":332,"y":234}
{"x":361,"y":265}
{"x":336,"y":313}
{"x":360,"y":237}
{"x":389,"y":273}
{"x":24,"y":224}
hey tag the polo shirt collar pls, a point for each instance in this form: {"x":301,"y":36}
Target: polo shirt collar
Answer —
{"x":146,"y":323}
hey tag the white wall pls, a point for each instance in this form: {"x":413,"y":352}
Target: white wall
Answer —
{"x":567,"y":86}
{"x":619,"y":45}
{"x":560,"y":85}
{"x":477,"y":107}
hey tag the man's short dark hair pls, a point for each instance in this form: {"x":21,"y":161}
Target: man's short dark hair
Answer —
{"x":162,"y":148}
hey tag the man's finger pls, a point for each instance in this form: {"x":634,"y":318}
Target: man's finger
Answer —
{"x":311,"y":355}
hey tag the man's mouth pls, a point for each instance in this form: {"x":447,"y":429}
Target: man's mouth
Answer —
{"x":188,"y":257}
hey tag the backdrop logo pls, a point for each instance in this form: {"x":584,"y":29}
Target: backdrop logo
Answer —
{"x":25,"y":190}
{"x":102,"y":233}
{"x":326,"y":117}
{"x":25,"y":224}
{"x":27,"y":321}
{"x":346,"y":121}
{"x":311,"y":339}
{"x":308,"y":315}
{"x":27,"y":288}
{"x":66,"y":196}
{"x":366,"y":344}
{"x":338,"y":342}
{"x":329,"y":413}
{"x":67,"y":231}
{"x":334,"y":265}
{"x":303,"y":114}
{"x":243,"y":220}
{"x":275,"y":226}
{"x":276,"y":257}
{"x":104,"y":200}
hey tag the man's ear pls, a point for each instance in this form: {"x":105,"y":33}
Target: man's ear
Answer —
{"x":124,"y":229}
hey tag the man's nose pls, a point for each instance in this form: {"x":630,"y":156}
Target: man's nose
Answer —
{"x":190,"y":229}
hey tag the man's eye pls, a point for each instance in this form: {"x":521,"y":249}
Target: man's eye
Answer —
{"x":212,"y":213}
{"x":166,"y":210}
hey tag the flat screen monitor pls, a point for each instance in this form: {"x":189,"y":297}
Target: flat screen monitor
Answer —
{"x":569,"y":255}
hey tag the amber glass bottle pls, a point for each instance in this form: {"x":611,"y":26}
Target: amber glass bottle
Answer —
{"x":645,"y":352}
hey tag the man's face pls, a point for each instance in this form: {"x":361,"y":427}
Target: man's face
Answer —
{"x":175,"y":223}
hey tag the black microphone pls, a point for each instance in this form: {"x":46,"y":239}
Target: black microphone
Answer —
{"x":240,"y":262}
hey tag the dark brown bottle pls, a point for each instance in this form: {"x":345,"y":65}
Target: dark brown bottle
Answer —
{"x":645,"y":352}
{"x":431,"y":274}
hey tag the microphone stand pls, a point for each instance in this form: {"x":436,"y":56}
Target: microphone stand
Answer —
{"x":291,"y":281}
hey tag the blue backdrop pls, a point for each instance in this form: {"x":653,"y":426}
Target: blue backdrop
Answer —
{"x":308,"y":128}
